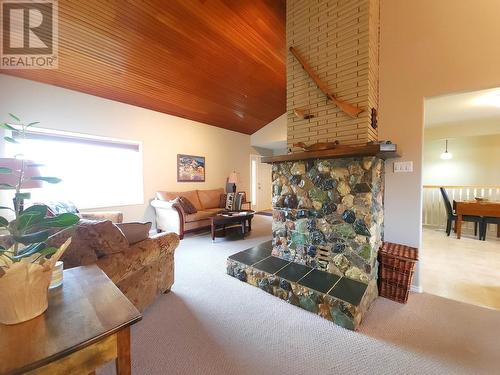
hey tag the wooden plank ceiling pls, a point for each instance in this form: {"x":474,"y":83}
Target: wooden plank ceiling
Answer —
{"x":221,"y":62}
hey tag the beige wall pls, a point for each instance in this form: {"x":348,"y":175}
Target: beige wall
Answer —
{"x":474,"y":162}
{"x":272,"y":136}
{"x":468,"y":128}
{"x":163,"y":136}
{"x":428,"y":48}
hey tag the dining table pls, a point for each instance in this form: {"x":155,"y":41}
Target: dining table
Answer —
{"x":476,"y":208}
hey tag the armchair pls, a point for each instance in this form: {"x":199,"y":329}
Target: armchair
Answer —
{"x":113,"y":216}
{"x":62,"y":206}
{"x":141,"y":271}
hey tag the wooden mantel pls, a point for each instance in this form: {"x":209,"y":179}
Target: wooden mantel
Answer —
{"x":336,"y":153}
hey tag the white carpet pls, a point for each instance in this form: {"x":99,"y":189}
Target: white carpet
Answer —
{"x":214,"y":324}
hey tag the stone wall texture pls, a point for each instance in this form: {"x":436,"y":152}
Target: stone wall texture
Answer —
{"x":328,"y":214}
{"x":340,"y":40}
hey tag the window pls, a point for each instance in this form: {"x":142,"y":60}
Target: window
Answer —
{"x":95,"y":171}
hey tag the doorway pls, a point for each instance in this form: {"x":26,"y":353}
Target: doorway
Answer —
{"x":461,"y":176}
{"x":260,"y":184}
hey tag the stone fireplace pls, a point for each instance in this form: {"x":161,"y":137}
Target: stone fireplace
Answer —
{"x":327,"y":205}
{"x":327,"y":228}
{"x":328,"y":214}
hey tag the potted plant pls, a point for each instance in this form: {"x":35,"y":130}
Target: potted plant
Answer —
{"x":26,"y":261}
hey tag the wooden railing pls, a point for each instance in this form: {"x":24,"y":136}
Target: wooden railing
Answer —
{"x":434,"y":212}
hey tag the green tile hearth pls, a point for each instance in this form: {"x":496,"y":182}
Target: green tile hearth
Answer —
{"x":348,"y":290}
{"x":271,"y":264}
{"x":336,"y":298}
{"x":247,"y":258}
{"x":319,"y":281}
{"x":294,"y":272}
{"x":263,"y":250}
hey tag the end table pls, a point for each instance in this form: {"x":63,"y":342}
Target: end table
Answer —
{"x":86,"y":325}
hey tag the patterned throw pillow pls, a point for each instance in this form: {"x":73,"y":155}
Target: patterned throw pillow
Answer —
{"x":229,"y":201}
{"x":234,"y":201}
{"x":187,"y":206}
{"x":135,"y":232}
{"x":222,"y":201}
{"x":238,"y":200}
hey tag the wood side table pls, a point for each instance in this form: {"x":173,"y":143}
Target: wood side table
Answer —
{"x":86,"y":325}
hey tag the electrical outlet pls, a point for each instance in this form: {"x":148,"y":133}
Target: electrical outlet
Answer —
{"x":403,"y":166}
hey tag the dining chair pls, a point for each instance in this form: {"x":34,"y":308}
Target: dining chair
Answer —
{"x":486,"y":221}
{"x":452,"y":217}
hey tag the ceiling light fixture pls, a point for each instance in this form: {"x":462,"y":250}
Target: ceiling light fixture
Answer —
{"x":446,"y":155}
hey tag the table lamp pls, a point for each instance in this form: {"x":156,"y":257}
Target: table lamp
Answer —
{"x":12,"y":179}
{"x":233,"y":179}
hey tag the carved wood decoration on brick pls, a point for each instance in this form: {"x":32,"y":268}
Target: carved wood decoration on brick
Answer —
{"x":347,"y":108}
{"x":339,"y":41}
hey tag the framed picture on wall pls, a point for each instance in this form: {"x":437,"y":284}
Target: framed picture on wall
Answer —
{"x":190,"y":168}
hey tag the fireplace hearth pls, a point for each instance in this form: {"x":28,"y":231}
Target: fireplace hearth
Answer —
{"x":339,"y":299}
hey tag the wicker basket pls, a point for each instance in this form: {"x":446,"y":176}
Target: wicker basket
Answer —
{"x":400,"y":251}
{"x":397,"y":266}
{"x":393,"y":292}
{"x":396,"y":276}
{"x":397,"y":263}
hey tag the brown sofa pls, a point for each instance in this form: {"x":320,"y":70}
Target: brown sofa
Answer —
{"x":142,"y":270}
{"x":171,"y":217}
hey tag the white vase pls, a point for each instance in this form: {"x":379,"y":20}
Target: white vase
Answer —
{"x":23,"y":292}
{"x":24,"y":287}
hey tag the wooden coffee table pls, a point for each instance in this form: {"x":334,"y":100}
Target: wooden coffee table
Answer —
{"x":86,"y":325}
{"x":221,"y":222}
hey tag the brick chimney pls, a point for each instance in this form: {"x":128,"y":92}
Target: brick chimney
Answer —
{"x":340,"y":41}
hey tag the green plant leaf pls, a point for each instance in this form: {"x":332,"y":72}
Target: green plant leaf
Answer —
{"x":14,"y":117}
{"x":61,"y":221}
{"x":11,"y":140}
{"x":7,"y":126}
{"x":32,"y":123}
{"x":5,"y":170}
{"x":6,"y":208}
{"x":3,"y":222}
{"x":6,"y":186}
{"x":33,"y":248}
{"x":37,"y":208}
{"x":31,"y":216}
{"x":33,"y":237}
{"x":44,"y":251}
{"x":50,"y":180}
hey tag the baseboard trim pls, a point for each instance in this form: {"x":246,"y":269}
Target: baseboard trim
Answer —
{"x":416,"y":289}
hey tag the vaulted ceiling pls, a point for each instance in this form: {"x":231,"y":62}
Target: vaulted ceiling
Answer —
{"x":221,"y":62}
